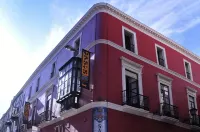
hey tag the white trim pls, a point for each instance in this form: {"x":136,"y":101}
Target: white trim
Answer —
{"x":116,"y":46}
{"x":132,"y":66}
{"x":190,"y":68}
{"x":78,"y":37}
{"x":164,"y":54}
{"x":162,"y":79}
{"x":125,"y":109}
{"x":134,"y":39}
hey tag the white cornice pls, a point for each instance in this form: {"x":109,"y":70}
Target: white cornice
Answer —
{"x":107,"y":8}
{"x":124,"y":109}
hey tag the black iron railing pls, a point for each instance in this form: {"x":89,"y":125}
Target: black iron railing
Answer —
{"x":195,"y":120}
{"x":161,"y":61}
{"x":136,"y":100}
{"x":169,"y":110}
{"x":47,"y":116}
{"x":29,"y":124}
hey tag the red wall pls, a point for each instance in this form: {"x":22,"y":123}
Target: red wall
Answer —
{"x":123,"y":122}
{"x":108,"y":68}
{"x":112,"y":30}
{"x":81,"y":122}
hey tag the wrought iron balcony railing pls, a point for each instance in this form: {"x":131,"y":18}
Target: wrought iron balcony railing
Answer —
{"x":136,"y":100}
{"x":47,"y":116}
{"x":188,"y":75}
{"x":195,"y":120}
{"x":169,"y":110}
{"x":161,"y":61}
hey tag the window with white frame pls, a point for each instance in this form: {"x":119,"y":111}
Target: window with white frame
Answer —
{"x":188,"y":70}
{"x":164,"y":89}
{"x":129,"y":40}
{"x":191,"y":94}
{"x":161,"y":56}
{"x":77,"y":44}
{"x":132,"y":82}
{"x":165,"y":96}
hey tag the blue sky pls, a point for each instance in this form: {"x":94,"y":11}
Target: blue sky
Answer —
{"x":30,"y":29}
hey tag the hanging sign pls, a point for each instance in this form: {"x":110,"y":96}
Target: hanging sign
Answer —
{"x":85,"y":69}
{"x":26,"y":112}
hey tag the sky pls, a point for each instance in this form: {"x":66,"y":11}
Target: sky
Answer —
{"x":30,"y":29}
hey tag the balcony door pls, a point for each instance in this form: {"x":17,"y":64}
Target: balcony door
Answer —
{"x":48,"y":107}
{"x":165,"y":98}
{"x":132,"y":89}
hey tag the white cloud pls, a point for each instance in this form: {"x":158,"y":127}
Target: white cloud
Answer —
{"x":167,"y":17}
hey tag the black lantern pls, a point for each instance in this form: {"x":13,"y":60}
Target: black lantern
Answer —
{"x":193,"y":111}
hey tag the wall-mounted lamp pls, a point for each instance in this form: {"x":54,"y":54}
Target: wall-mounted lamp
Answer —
{"x":69,"y":47}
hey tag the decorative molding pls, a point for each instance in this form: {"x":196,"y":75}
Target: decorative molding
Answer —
{"x":154,"y":64}
{"x":107,"y":8}
{"x":136,"y":65}
{"x":163,"y":77}
{"x":125,"y":109}
{"x":189,"y":89}
{"x":169,"y":119}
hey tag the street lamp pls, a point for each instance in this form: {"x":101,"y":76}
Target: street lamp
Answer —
{"x":69,"y":47}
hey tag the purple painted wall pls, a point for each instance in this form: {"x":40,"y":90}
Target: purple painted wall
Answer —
{"x":88,"y":34}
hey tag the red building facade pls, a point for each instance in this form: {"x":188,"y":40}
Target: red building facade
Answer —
{"x":145,"y":81}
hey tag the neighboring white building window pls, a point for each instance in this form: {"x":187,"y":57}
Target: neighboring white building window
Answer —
{"x":132,"y":90}
{"x":77,"y":45}
{"x":161,"y":56}
{"x":129,"y":40}
{"x":188,"y":69}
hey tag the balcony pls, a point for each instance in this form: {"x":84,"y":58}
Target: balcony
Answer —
{"x":69,"y":84}
{"x":47,"y":116}
{"x":135,"y":100}
{"x":169,"y":112}
{"x":15,"y":113}
{"x":161,"y":61}
{"x":8,"y":123}
{"x":188,"y":75}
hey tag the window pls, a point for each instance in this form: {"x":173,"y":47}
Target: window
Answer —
{"x":161,"y":56}
{"x":164,"y":89}
{"x":48,"y":107}
{"x":132,"y":91}
{"x":53,"y":70}
{"x":69,"y":77}
{"x":33,"y":115}
{"x":165,"y":98}
{"x":29,"y":96}
{"x":38,"y":84}
{"x":192,"y":103}
{"x":129,"y":40}
{"x":188,"y":70}
{"x":77,"y":46}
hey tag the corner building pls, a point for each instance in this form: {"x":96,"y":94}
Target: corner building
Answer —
{"x":139,"y":80}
